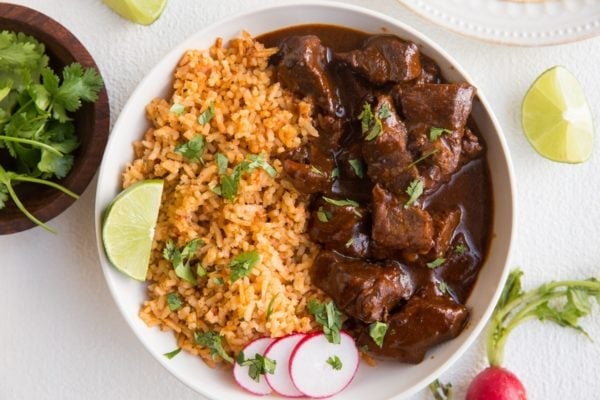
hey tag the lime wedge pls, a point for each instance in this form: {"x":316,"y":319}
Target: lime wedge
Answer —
{"x":556,"y":117}
{"x":142,"y":12}
{"x":128,"y":227}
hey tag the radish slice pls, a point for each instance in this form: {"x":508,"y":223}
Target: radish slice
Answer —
{"x":311,"y":369}
{"x":280,"y":351}
{"x":240,"y":373}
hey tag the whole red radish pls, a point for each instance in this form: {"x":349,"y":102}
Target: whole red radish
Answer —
{"x":562,"y":302}
{"x":496,"y":383}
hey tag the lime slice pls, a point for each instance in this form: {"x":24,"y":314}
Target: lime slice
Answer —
{"x":142,"y":12}
{"x":556,"y":118}
{"x":128,"y":227}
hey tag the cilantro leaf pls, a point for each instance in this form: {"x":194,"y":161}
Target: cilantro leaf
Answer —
{"x":350,"y":242}
{"x":371,"y":125}
{"x":436,"y":263}
{"x":441,"y":391}
{"x":384,"y":111}
{"x":3,"y":195}
{"x":335,"y":173}
{"x":335,"y":362}
{"x":341,"y":203}
{"x":78,"y":84}
{"x":562,"y":303}
{"x":181,"y":259}
{"x":193,"y":149}
{"x":435,"y":133}
{"x":460,"y":248}
{"x":214,"y":342}
{"x":174,"y":301}
{"x":207,"y":115}
{"x":172,"y":354}
{"x":177,"y":109}
{"x":358,"y":167}
{"x":329,"y":317}
{"x":57,"y":165}
{"x":414,"y":191}
{"x":323,"y":215}
{"x":257,"y":161}
{"x":377,"y":331}
{"x":230,"y":183}
{"x":257,"y":366}
{"x":242,"y":264}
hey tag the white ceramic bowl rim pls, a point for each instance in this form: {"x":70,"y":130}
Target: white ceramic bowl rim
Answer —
{"x":129,"y":294}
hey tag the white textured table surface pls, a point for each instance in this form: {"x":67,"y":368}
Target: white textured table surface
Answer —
{"x":63,"y":338}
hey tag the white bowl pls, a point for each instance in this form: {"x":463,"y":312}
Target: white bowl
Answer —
{"x":388,"y":380}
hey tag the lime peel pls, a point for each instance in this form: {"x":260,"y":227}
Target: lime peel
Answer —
{"x":556,"y":117}
{"x":128,"y":227}
{"x":143,"y":12}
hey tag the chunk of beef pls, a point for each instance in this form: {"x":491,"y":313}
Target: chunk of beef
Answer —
{"x":398,"y":227}
{"x":425,"y":321}
{"x":387,"y":158}
{"x":353,"y":89}
{"x":461,"y":267}
{"x":331,"y":130}
{"x":341,"y":228}
{"x":444,"y":224}
{"x":362,"y":290}
{"x":309,"y":168}
{"x":384,"y":59}
{"x":442,"y":106}
{"x":301,"y":68}
{"x":305,"y":177}
{"x":471,"y":146}
{"x":430,"y":72}
{"x":441,"y":156}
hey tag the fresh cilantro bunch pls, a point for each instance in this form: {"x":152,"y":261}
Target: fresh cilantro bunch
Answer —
{"x":37,"y":135}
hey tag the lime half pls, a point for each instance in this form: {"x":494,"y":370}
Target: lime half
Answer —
{"x":142,"y":12}
{"x":556,"y":117}
{"x":128,"y":227}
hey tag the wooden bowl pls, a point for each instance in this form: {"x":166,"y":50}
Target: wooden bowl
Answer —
{"x":91,"y":121}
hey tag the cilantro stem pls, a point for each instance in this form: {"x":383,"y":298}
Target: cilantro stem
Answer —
{"x":21,"y":207}
{"x":32,"y":143}
{"x":54,"y":185}
{"x":523,"y":308}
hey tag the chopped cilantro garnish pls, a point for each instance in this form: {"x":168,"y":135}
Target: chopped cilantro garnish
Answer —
{"x":316,"y":170}
{"x":460,"y":249}
{"x":270,"y":307}
{"x":377,"y":331}
{"x":177,"y":109}
{"x":414,"y":191}
{"x":173,"y":353}
{"x":435,"y":133}
{"x":229,"y":183}
{"x":242,"y":264}
{"x":192,"y":150}
{"x":341,"y":203}
{"x":384,"y":111}
{"x":207,"y":115}
{"x":219,"y":281}
{"x":335,"y":173}
{"x":436,"y":263}
{"x":335,"y":362}
{"x":350,"y":242}
{"x":370,"y":123}
{"x":443,"y":286}
{"x":257,"y":366}
{"x":329,"y":317}
{"x":181,"y":259}
{"x":358,"y":167}
{"x":214,"y":342}
{"x":323,"y":215}
{"x":174,"y":301}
